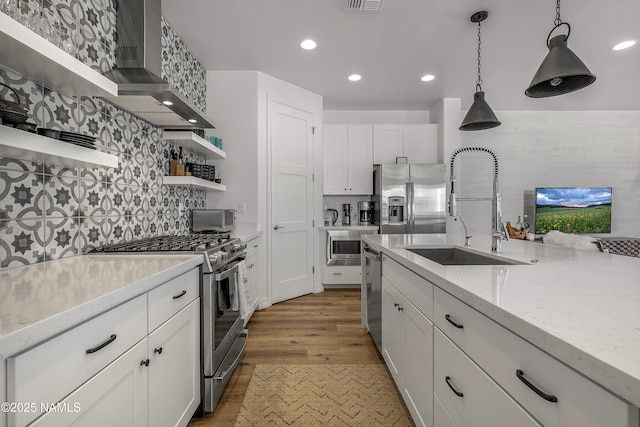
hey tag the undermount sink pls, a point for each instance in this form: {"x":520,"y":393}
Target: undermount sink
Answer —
{"x":458,"y":256}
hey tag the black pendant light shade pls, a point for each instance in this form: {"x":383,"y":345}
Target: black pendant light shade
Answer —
{"x":561,"y":72}
{"x":480,"y":116}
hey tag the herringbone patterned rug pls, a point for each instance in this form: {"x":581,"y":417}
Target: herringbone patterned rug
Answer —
{"x":322,"y":395}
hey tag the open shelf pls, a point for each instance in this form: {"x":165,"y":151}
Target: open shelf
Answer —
{"x":19,"y":144}
{"x":28,"y":53}
{"x":193,"y":182}
{"x":192,"y":142}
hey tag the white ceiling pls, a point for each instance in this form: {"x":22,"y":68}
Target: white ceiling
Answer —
{"x":393,"y":48}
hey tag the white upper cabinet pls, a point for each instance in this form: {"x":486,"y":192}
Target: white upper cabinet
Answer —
{"x":348,"y":159}
{"x":417,"y":142}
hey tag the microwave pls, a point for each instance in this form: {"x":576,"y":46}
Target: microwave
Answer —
{"x":220,"y":220}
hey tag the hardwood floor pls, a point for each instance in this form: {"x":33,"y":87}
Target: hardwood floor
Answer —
{"x":317,"y":328}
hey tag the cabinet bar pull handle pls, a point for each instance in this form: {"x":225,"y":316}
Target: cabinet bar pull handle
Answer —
{"x":448,"y":380}
{"x":180,"y":295}
{"x":144,"y":362}
{"x":158,"y":350}
{"x":457,"y":325}
{"x":102,"y":345}
{"x":542,"y":394}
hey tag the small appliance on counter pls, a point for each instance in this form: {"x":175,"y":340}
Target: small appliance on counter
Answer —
{"x":213,"y":220}
{"x":347,"y":209}
{"x":330,"y":217}
{"x":365,"y":210}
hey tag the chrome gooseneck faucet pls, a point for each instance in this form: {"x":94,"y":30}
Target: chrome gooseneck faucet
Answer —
{"x":498,"y":230}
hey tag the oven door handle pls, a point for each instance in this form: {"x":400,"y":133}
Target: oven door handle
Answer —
{"x":225,"y":274}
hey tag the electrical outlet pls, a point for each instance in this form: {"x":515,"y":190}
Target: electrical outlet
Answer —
{"x":180,"y":208}
{"x":242,"y":208}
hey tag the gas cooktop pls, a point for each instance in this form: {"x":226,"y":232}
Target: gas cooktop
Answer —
{"x":186,"y":243}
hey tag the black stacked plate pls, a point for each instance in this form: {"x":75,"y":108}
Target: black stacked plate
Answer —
{"x":79,"y":139}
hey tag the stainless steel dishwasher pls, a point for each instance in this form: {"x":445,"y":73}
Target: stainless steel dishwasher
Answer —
{"x":373,"y":281}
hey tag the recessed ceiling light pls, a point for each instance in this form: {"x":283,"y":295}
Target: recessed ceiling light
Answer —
{"x":427,"y":77}
{"x":308,"y":44}
{"x":193,"y":121}
{"x":354,"y":77}
{"x":624,"y":45}
{"x":167,"y":103}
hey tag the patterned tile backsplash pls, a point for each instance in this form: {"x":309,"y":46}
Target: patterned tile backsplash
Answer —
{"x":50,"y":212}
{"x":181,"y":69}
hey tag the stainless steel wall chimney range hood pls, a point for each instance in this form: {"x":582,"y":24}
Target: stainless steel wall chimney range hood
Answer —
{"x":141,"y":89}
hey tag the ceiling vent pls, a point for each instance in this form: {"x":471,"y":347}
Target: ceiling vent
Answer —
{"x":362,"y":5}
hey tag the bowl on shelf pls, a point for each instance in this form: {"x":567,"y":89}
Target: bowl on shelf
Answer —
{"x":49,"y":133}
{"x":27,"y":126}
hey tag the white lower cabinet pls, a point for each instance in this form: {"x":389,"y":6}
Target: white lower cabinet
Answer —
{"x":441,"y":417}
{"x":469,"y":396}
{"x":551,"y":391}
{"x":174,"y":367}
{"x":254,"y":275}
{"x":407,"y":337}
{"x":137,"y":364}
{"x":117,"y":396}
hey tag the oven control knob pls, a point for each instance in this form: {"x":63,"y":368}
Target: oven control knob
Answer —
{"x":223,"y":255}
{"x":214,"y":259}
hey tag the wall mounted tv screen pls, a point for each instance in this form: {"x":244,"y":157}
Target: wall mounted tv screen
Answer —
{"x":573,"y":210}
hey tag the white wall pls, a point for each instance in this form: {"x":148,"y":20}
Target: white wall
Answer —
{"x":232,"y":102}
{"x":553,"y":148}
{"x":345,"y":117}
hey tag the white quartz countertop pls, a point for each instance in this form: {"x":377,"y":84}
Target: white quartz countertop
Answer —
{"x":349,"y":227}
{"x":41,"y":300}
{"x":246,"y":232}
{"x":582,"y":307}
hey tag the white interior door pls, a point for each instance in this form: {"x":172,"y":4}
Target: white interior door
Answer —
{"x":291,"y":138}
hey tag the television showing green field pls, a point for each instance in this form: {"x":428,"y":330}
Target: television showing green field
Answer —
{"x":573,"y":210}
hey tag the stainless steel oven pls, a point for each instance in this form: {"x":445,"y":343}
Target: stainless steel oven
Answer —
{"x":222,"y":330}
{"x":222,"y":335}
{"x":343,"y":247}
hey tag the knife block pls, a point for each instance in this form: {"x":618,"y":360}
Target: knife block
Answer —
{"x":177,"y":168}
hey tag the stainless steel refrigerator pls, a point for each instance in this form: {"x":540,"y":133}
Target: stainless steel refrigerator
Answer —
{"x":409,"y":198}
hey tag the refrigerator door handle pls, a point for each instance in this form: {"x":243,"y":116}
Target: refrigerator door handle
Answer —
{"x":410,"y":208}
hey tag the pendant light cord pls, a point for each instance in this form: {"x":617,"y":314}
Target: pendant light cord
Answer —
{"x":479,"y":82}
{"x":558,"y":21}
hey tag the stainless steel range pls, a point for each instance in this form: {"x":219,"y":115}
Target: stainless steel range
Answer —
{"x":223,"y":338}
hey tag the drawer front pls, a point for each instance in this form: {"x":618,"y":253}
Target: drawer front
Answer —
{"x":501,"y":354}
{"x":440,"y":416}
{"x":416,"y":289}
{"x":469,"y":396}
{"x":342,"y":275}
{"x":168,"y":299}
{"x":51,"y":370}
{"x":252,"y":246}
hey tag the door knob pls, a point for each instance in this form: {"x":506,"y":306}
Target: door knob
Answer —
{"x":278,"y":227}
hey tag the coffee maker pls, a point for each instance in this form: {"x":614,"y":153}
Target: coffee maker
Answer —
{"x":365,"y":213}
{"x":347,"y":208}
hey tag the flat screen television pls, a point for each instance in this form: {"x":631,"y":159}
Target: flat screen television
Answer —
{"x":573,"y":210}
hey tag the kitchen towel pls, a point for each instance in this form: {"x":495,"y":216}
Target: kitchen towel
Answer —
{"x":244,"y":296}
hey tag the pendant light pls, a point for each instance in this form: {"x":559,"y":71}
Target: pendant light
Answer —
{"x":480,"y":116}
{"x":561,"y":71}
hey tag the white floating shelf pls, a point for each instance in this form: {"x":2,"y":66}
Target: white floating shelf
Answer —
{"x":193,"y":182}
{"x":192,"y":142}
{"x":19,"y":144}
{"x":28,"y":53}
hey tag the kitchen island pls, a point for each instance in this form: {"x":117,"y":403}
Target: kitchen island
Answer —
{"x":580,"y":307}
